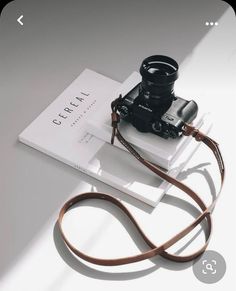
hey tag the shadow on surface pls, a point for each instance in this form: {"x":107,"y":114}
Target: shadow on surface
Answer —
{"x":80,"y":266}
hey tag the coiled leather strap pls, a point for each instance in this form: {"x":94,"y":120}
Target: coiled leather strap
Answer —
{"x":155,"y":250}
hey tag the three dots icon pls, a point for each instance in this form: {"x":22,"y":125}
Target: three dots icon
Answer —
{"x":211,"y":23}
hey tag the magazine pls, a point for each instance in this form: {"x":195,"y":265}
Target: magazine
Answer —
{"x":60,"y":131}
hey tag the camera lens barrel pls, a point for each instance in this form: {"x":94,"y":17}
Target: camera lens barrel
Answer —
{"x":160,"y":70}
{"x":158,"y":76}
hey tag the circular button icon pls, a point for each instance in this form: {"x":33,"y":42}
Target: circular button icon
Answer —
{"x":210,"y":267}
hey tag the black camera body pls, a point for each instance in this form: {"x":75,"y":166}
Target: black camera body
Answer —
{"x":151,"y":106}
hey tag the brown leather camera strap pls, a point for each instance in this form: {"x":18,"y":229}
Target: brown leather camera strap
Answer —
{"x":155,"y":250}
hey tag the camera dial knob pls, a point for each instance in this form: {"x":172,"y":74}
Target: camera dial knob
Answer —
{"x":173,"y":134}
{"x":157,"y":126}
{"x":147,"y":95}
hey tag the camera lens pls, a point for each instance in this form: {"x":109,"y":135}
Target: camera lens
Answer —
{"x":158,"y":76}
{"x":160,"y":70}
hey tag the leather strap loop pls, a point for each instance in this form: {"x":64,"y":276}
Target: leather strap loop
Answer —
{"x":155,"y":250}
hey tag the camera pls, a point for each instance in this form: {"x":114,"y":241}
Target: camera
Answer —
{"x":152,"y":106}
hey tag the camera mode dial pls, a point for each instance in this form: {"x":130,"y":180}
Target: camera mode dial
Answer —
{"x":157,"y":126}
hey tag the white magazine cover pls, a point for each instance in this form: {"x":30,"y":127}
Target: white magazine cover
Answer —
{"x":60,"y":131}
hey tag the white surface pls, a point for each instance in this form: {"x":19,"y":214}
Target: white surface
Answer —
{"x":119,"y":169}
{"x":39,"y":265}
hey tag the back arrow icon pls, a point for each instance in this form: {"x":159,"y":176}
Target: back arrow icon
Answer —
{"x":19,"y":20}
